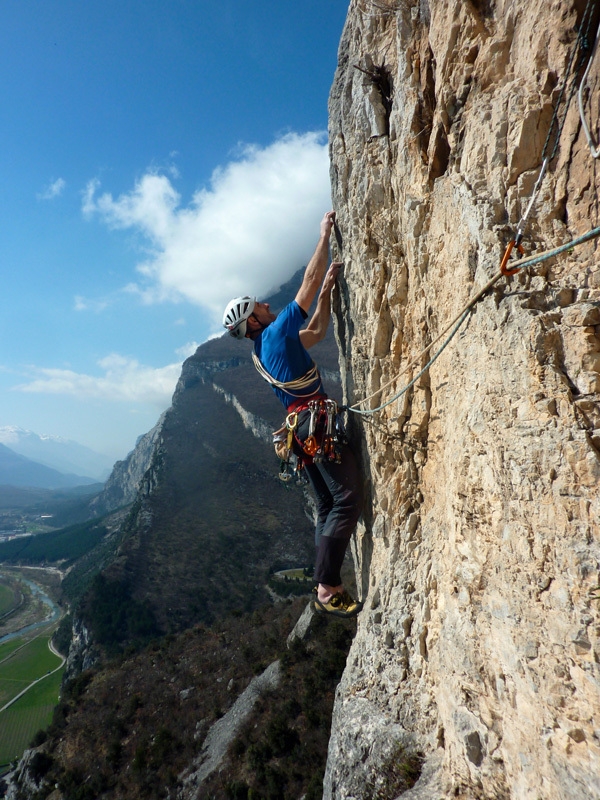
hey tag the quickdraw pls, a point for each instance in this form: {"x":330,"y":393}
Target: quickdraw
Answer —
{"x":290,"y":466}
{"x":326,"y":435}
{"x":291,"y":423}
{"x":509,"y":248}
{"x":549,"y":152}
{"x":310,"y":445}
{"x":326,"y":432}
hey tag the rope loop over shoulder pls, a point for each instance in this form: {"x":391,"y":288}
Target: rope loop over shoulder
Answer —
{"x":291,"y":387}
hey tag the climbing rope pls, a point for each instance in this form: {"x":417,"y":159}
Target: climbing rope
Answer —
{"x":291,"y":387}
{"x":456,"y":323}
{"x":355,"y":410}
{"x":582,"y":46}
{"x":595,"y":151}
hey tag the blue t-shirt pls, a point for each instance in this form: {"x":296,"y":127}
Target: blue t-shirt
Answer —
{"x":282,"y":354}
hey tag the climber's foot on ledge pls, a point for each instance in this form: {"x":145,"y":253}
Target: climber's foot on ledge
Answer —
{"x":340,"y":604}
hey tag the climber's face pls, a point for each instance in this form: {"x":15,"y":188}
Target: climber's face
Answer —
{"x":261,"y":317}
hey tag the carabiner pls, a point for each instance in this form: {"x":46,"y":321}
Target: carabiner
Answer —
{"x":291,"y":423}
{"x":509,"y":248}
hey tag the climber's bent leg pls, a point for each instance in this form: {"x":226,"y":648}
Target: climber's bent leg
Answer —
{"x":323,"y":499}
{"x":339,"y":504}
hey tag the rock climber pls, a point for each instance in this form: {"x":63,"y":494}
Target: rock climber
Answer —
{"x":280,"y":354}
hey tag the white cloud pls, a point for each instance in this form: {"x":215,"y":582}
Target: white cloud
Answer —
{"x":247,"y":232}
{"x":187,"y":350}
{"x":123,"y":379}
{"x":54,"y":189}
{"x":83,"y":304}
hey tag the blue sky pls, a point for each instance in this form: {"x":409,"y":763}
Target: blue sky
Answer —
{"x":157,"y":159}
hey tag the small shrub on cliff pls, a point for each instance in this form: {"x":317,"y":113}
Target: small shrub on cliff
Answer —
{"x":130,"y":728}
{"x":396,"y":775}
{"x":39,"y":765}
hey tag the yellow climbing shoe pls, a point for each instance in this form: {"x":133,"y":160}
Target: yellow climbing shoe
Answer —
{"x":341,"y":604}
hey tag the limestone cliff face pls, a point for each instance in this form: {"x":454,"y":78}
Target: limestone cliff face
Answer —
{"x":480,"y":639}
{"x":123,"y":483}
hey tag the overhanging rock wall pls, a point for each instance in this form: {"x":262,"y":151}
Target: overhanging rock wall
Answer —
{"x":480,"y":639}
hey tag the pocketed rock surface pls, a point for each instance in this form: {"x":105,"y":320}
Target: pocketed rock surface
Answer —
{"x":479,"y":643}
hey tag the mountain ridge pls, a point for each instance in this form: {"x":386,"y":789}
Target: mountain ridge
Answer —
{"x":64,"y":455}
{"x":19,"y":471}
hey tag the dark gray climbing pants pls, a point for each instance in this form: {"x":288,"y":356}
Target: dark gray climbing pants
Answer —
{"x":337,"y":490}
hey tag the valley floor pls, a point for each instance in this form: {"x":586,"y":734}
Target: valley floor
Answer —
{"x":30,"y":667}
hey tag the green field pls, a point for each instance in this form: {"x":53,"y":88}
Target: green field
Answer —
{"x":6,"y":648}
{"x":7,"y":599}
{"x":293,"y":575}
{"x":25,"y":665}
{"x":20,"y":664}
{"x":30,"y":714}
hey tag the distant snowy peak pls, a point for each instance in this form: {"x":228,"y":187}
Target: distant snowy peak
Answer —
{"x":56,"y":452}
{"x":46,"y":437}
{"x":11,"y":433}
{"x":16,"y":430}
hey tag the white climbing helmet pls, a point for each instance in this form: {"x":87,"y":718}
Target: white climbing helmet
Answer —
{"x":236,"y":313}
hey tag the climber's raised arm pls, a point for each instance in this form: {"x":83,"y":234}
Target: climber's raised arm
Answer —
{"x":317,"y":327}
{"x":317,"y":265}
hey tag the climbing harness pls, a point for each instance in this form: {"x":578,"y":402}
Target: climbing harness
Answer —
{"x":326,"y":435}
{"x":326,"y":432}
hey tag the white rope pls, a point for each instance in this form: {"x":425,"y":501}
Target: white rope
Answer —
{"x":521,"y":263}
{"x":538,"y":185}
{"x":366,"y":412}
{"x":291,"y":387}
{"x":595,"y":151}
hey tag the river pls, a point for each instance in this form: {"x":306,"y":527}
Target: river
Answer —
{"x":54,"y":611}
